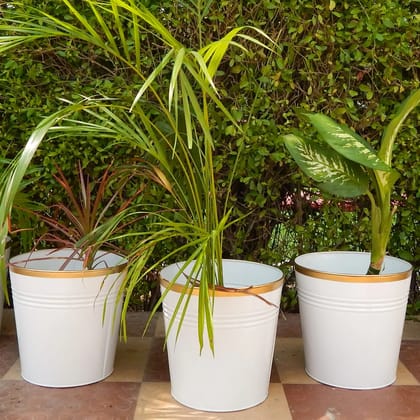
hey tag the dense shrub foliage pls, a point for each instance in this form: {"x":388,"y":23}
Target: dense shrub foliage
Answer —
{"x":351,"y":60}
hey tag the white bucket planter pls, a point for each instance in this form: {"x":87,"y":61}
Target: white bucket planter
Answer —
{"x":352,"y":323}
{"x":65,"y":339}
{"x":6,"y":256}
{"x":237,"y":376}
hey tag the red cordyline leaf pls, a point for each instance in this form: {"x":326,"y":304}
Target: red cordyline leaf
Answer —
{"x":89,"y":207}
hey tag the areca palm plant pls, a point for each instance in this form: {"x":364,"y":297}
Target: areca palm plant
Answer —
{"x":345,"y":164}
{"x":168,"y":121}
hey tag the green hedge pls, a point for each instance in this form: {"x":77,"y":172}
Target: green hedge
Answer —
{"x":352,"y":60}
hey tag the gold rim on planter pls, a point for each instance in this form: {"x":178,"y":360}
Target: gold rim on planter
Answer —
{"x":228,"y":291}
{"x":63,"y":273}
{"x":353,"y":278}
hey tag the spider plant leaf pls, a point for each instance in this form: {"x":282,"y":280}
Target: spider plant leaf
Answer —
{"x":346,"y":142}
{"x":334,"y":173}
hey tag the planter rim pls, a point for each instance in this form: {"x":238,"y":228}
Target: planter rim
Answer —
{"x":17,"y":265}
{"x":348,"y":277}
{"x":229,"y":291}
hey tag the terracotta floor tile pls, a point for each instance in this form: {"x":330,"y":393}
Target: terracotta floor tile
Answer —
{"x":410,"y":356}
{"x":160,"y":326}
{"x":411,"y":330}
{"x":137,"y":321}
{"x":136,"y":324}
{"x":157,"y":365}
{"x":309,"y":402}
{"x":289,"y":326}
{"x":8,"y":352}
{"x":104,"y":400}
{"x":8,"y":326}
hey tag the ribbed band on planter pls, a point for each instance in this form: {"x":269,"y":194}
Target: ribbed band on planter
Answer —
{"x":65,"y":338}
{"x":237,"y":376}
{"x":352,"y":323}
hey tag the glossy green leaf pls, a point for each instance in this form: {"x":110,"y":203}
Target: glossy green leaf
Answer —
{"x":346,"y":142}
{"x":334,"y":173}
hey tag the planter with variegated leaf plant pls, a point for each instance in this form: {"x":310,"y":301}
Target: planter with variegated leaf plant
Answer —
{"x":352,"y":304}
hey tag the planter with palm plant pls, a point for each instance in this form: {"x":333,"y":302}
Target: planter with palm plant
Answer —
{"x":170,"y":123}
{"x":67,"y":300}
{"x":353,"y":304}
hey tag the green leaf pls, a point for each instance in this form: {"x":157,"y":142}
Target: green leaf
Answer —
{"x":155,"y":73}
{"x":391,"y":131}
{"x":334,"y":173}
{"x":346,"y":142}
{"x":179,"y":58}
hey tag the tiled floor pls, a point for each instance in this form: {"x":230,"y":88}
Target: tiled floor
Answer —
{"x":139,"y":388}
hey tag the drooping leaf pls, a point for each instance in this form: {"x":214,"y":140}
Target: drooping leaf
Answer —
{"x":334,"y":173}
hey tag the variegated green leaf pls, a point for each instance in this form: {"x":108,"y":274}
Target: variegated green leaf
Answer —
{"x":334,"y":173}
{"x":346,"y":142}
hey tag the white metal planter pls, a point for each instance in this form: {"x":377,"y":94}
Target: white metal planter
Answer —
{"x":352,"y":323}
{"x":237,"y":376}
{"x":64,"y":335}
